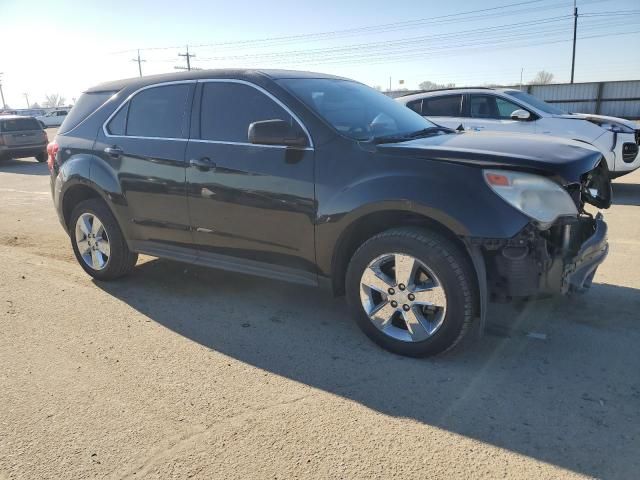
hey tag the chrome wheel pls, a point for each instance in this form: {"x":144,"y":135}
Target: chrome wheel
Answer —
{"x":92,"y":241}
{"x":402,"y":297}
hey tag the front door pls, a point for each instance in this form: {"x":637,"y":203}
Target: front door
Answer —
{"x":249,"y":204}
{"x":492,"y":113}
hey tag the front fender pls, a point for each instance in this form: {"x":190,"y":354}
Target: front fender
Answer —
{"x":454,"y":196}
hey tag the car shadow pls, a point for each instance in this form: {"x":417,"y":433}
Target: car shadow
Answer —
{"x":626,"y":194}
{"x":24,"y":166}
{"x":557,"y":384}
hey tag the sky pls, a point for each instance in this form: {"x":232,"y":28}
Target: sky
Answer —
{"x":66,"y":46}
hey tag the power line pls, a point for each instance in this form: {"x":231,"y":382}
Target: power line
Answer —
{"x":440,"y":42}
{"x":449,"y":18}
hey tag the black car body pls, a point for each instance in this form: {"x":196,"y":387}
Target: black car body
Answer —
{"x":22,"y":137}
{"x":294,"y":191}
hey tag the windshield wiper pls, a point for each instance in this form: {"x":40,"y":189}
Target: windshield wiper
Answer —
{"x":413,"y":135}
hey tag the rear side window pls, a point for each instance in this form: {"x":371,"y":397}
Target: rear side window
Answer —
{"x":85,"y":106}
{"x":447,"y":106}
{"x":158,"y":112}
{"x":229,"y":108}
{"x":19,"y":124}
{"x":416,"y":106}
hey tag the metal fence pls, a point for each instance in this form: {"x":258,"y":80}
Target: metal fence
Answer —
{"x":617,"y":99}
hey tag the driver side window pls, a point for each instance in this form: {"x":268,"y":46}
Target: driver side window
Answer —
{"x":228,"y":108}
{"x":491,"y":107}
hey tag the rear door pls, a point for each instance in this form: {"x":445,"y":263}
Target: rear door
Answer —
{"x":144,"y":142}
{"x":493,"y":113}
{"x":445,"y":110}
{"x":253,"y":203}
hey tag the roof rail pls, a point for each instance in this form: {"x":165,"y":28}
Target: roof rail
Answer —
{"x":450,"y":88}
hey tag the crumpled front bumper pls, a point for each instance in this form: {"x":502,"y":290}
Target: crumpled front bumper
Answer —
{"x":560,"y":260}
{"x":578,"y":274}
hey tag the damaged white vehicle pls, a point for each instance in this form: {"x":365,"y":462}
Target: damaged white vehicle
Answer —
{"x":510,"y":110}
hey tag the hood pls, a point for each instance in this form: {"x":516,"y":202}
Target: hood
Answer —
{"x":597,"y":119}
{"x":567,"y":160}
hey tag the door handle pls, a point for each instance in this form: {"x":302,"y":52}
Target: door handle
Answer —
{"x":113,"y":151}
{"x":203,"y":164}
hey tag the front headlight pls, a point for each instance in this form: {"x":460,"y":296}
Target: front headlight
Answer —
{"x":537,"y":197}
{"x":612,"y":126}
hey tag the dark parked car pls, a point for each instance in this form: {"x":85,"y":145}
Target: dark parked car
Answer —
{"x":321,"y":180}
{"x":22,"y":137}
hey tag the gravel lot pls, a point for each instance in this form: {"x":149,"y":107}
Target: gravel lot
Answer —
{"x":180,"y":372}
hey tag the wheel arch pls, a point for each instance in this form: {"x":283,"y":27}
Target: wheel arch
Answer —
{"x":370,"y":224}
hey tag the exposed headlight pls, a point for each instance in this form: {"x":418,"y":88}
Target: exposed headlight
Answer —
{"x":611,"y":126}
{"x":537,"y":197}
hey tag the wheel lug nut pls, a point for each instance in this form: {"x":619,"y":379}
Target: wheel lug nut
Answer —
{"x":392,"y":291}
{"x":406,"y":308}
{"x":394,"y":304}
{"x":411,"y":297}
{"x":401,"y":286}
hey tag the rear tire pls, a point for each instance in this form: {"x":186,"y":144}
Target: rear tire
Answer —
{"x":98,"y":243}
{"x":41,"y":157}
{"x":432,"y":312}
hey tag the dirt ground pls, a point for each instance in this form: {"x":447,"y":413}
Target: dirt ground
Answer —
{"x":181,"y":372}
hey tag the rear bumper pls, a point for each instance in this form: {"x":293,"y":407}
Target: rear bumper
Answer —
{"x":22,"y":151}
{"x":557,"y":261}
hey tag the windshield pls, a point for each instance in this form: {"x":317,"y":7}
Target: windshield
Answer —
{"x":355,"y":110}
{"x":535,"y":102}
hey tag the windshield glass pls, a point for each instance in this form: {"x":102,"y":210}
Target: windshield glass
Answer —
{"x":355,"y":110}
{"x":536,"y":102}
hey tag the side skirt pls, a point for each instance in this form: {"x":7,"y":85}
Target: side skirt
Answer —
{"x":224,"y":262}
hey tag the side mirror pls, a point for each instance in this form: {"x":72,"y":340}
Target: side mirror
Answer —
{"x":520,"y":115}
{"x":276,"y":132}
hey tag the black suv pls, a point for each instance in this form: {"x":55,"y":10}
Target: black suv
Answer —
{"x":317,"y":180}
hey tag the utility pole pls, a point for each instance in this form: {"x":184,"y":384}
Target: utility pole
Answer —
{"x":4,"y":105}
{"x":521,"y":74}
{"x":188,"y":56}
{"x":139,"y":60}
{"x":26,"y":96}
{"x":575,"y":31}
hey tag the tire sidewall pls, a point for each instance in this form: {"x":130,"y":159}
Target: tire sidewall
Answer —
{"x":446,"y":267}
{"x":97,"y":208}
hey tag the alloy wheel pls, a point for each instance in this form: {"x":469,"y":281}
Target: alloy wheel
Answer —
{"x":92,"y":241}
{"x":403,"y":297}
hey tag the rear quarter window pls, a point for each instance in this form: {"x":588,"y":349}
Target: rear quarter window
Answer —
{"x":19,"y":124}
{"x":85,"y":106}
{"x":445,"y":106}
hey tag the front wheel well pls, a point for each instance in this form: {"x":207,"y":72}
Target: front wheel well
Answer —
{"x":73,"y":196}
{"x":366,"y":227}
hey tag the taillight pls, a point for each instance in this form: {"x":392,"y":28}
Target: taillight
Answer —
{"x":44,"y":134}
{"x":52,"y":151}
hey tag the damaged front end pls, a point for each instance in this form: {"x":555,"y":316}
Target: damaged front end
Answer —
{"x":559,"y":258}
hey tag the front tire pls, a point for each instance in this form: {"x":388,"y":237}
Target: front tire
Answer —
{"x":411,"y":291}
{"x":41,"y":157}
{"x":98,"y":243}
